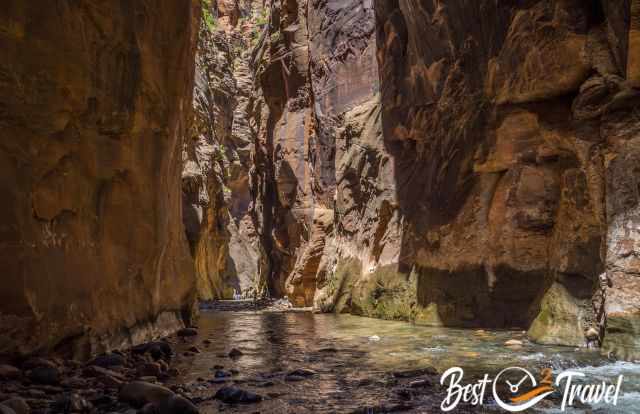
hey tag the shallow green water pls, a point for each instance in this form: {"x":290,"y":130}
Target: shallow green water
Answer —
{"x":354,"y":358}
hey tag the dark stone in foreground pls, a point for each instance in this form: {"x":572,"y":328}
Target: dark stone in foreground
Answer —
{"x":45,"y":375}
{"x":140,"y":393}
{"x":235,"y":353}
{"x":9,"y":372}
{"x":108,"y":360}
{"x":187,"y":332}
{"x":233,"y":395}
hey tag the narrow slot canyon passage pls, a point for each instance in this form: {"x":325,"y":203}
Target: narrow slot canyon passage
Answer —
{"x":319,"y":206}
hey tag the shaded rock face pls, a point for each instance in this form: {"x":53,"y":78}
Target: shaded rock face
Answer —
{"x":216,"y":193}
{"x":95,"y":100}
{"x":505,"y":138}
{"x":415,"y":162}
{"x":281,"y":178}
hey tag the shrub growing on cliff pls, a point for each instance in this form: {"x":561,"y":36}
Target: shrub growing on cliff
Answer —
{"x":207,"y":15}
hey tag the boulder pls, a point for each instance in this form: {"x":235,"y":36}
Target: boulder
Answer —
{"x":140,"y":393}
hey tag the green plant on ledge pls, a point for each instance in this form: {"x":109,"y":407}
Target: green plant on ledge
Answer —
{"x":207,"y":15}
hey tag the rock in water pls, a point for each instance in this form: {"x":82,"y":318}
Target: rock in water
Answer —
{"x":140,"y":393}
{"x":235,"y":353}
{"x":187,"y":332}
{"x":513,"y":343}
{"x":234,"y":395}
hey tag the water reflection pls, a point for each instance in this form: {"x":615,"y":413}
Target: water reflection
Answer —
{"x":354,"y":358}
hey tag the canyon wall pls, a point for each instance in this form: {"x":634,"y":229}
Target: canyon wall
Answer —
{"x":507,"y":135}
{"x":416,"y":162}
{"x":95,"y":99}
{"x":217,"y":153}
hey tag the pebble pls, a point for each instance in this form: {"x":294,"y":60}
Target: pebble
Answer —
{"x":9,"y":372}
{"x":513,"y":342}
{"x":149,"y":369}
{"x":110,"y":382}
{"x":157,"y":350}
{"x":36,"y":362}
{"x":150,"y":379}
{"x":187,"y":332}
{"x":33,"y":393}
{"x":45,"y":375}
{"x":221,"y":374}
{"x":235,"y":353}
{"x":302,"y":372}
{"x":73,"y":403}
{"x":108,"y":360}
{"x":421,"y":383}
{"x":194,"y":349}
{"x":177,"y":404}
{"x":233,"y":395}
{"x":140,"y":393}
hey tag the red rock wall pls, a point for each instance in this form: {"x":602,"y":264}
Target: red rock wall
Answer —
{"x":422,"y":163}
{"x":95,"y":100}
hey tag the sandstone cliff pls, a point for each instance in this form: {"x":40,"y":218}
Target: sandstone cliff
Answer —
{"x":216,"y":191}
{"x":94,"y":102}
{"x":418,"y":162}
{"x":400,"y":159}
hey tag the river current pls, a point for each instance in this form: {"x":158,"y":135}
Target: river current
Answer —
{"x":357,"y":362}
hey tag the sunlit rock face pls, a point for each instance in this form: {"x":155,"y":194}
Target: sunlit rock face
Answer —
{"x":216,"y":192}
{"x":95,"y":100}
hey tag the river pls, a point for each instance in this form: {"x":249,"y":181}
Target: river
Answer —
{"x":359,"y":363}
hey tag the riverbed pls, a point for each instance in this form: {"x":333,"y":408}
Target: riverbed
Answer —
{"x":359,"y":364}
